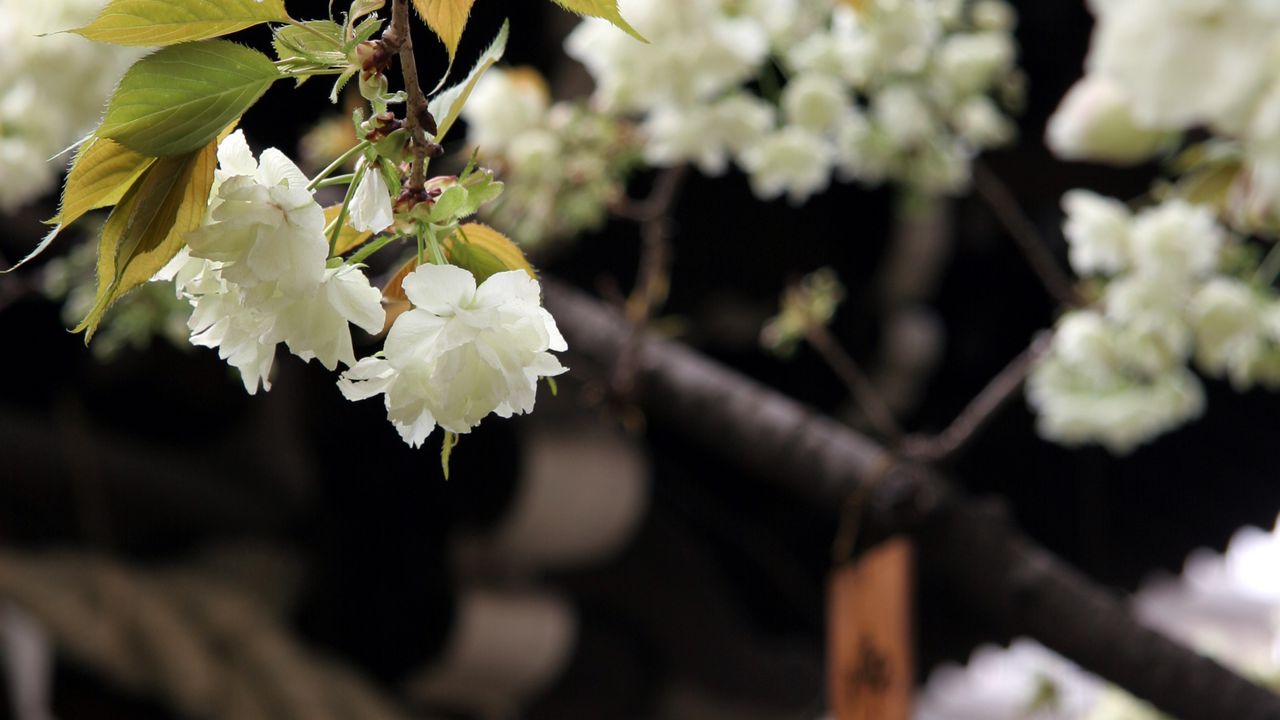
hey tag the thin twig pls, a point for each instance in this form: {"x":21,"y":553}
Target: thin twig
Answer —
{"x":979,"y":411}
{"x":653,"y":278}
{"x":399,"y":38}
{"x":1002,"y":202}
{"x":860,"y":387}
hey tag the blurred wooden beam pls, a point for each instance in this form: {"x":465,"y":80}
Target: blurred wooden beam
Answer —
{"x":987,"y":563}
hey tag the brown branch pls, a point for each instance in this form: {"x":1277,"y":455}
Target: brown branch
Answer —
{"x":653,"y":277}
{"x":975,"y":416}
{"x":860,"y":387}
{"x":1025,"y":235}
{"x":984,"y":561}
{"x":399,"y":38}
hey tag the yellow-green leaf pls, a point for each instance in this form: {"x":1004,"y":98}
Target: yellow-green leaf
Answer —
{"x":394,"y":291}
{"x":606,"y":9}
{"x":447,"y":18}
{"x":447,"y":106}
{"x":348,"y":237}
{"x":147,"y":228}
{"x":485,"y":251}
{"x":153,"y":23}
{"x":175,"y":101}
{"x":101,"y":174}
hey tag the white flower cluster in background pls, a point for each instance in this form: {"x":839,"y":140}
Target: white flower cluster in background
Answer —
{"x":563,"y":164}
{"x":1157,"y":68}
{"x":41,"y":113}
{"x":256,"y":273}
{"x":1024,"y":681}
{"x":1117,"y":374}
{"x":1224,"y":605}
{"x":795,"y":92}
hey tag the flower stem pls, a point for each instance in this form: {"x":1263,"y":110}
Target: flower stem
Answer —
{"x":335,"y":230}
{"x":336,"y":164}
{"x":369,"y":249}
{"x":336,"y":180}
{"x":433,"y":245}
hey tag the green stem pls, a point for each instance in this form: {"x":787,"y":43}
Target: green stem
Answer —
{"x":336,"y":180}
{"x":1270,"y":267}
{"x":369,"y":249}
{"x":437,"y":255}
{"x":342,"y":160}
{"x":336,"y":229}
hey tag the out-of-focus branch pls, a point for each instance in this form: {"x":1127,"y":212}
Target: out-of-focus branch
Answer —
{"x":1024,"y":233}
{"x":986,"y":563}
{"x":653,"y":278}
{"x":860,"y":387}
{"x":979,"y":411}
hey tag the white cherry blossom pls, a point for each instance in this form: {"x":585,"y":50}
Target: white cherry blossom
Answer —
{"x":461,"y":353}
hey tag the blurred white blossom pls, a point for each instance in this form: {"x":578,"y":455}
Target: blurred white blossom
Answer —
{"x":900,"y":90}
{"x":1102,"y":383}
{"x":1176,"y":240}
{"x":1225,"y":605}
{"x":1095,"y":122}
{"x":563,"y":164}
{"x":1022,"y":682}
{"x":41,"y":112}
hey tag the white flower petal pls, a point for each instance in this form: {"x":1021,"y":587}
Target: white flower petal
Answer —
{"x":441,"y":289}
{"x":371,"y":209}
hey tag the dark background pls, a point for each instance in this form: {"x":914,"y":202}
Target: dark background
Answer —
{"x":159,"y":453}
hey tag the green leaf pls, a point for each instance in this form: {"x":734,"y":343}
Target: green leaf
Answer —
{"x":446,"y":106}
{"x":447,"y":18}
{"x":175,"y":101}
{"x":316,"y":41}
{"x":485,"y":251}
{"x":607,"y":9}
{"x":153,"y":23}
{"x":147,"y":228}
{"x":101,"y":174}
{"x":361,"y":8}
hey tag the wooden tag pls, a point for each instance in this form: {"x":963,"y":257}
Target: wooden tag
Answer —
{"x":870,"y":662}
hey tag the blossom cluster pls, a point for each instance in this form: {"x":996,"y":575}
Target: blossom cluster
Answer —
{"x":1158,"y":68}
{"x":1117,"y":374}
{"x":896,"y":90}
{"x":563,"y":164}
{"x":811,"y":302}
{"x":1224,"y":605}
{"x":41,"y":113}
{"x":258,"y":274}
